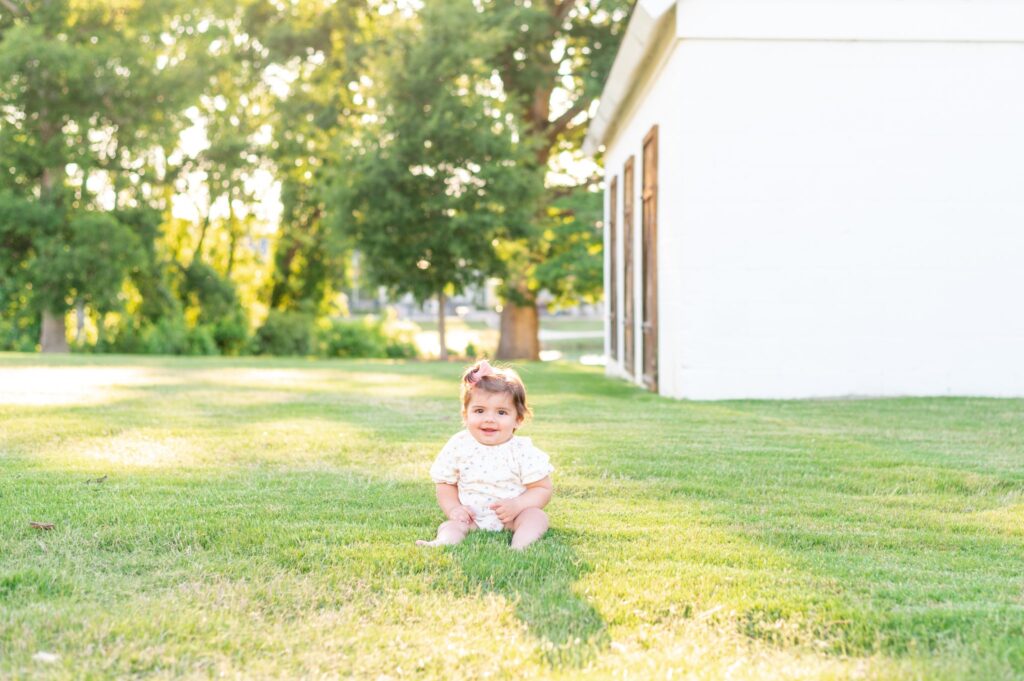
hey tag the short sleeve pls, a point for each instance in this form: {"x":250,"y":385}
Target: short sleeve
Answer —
{"x":444,"y":468}
{"x":534,"y":464}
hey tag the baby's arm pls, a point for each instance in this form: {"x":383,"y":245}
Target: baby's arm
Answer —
{"x":448,"y":500}
{"x":537,"y":495}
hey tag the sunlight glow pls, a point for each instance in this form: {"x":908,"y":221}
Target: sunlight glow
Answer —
{"x":48,"y":386}
{"x":139,"y":450}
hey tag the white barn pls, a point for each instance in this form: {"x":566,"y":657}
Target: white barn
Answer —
{"x":811,"y":198}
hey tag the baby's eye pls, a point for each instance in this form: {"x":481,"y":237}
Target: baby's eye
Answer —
{"x":502,"y":412}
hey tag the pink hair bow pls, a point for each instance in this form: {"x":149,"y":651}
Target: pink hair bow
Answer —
{"x":483,"y":369}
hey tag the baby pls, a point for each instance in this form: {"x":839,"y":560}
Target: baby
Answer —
{"x":487,"y":477}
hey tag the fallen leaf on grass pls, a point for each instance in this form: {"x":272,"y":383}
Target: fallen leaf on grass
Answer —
{"x":41,"y":526}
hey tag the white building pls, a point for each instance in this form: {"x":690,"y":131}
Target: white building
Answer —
{"x":816,"y":198}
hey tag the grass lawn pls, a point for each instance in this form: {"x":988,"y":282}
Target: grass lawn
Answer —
{"x":257,"y":518}
{"x":571,"y":324}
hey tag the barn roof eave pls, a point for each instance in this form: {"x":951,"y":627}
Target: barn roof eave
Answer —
{"x":636,"y":44}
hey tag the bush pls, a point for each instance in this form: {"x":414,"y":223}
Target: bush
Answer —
{"x":284,"y":333}
{"x":169,"y":336}
{"x":201,"y":341}
{"x":19,"y":335}
{"x":230,"y":334}
{"x":367,"y":337}
{"x":124,"y":337}
{"x":220,"y":311}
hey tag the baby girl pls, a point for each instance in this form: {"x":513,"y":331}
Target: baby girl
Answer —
{"x":487,"y":477}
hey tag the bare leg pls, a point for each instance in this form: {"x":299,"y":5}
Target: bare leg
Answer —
{"x":529,"y":526}
{"x":449,"y":533}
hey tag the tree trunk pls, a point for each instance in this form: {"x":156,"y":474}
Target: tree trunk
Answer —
{"x":54,"y":336}
{"x":79,"y":320}
{"x":282,"y":270}
{"x":519,"y":337}
{"x":198,"y":255}
{"x":440,"y":327}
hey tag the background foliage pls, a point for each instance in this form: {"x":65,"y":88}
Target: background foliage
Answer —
{"x":143,"y":146}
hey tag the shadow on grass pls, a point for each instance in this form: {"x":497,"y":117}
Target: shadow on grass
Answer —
{"x":539,"y":582}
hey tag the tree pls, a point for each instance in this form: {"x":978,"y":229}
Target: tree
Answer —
{"x":91,"y":87}
{"x":430,"y":189}
{"x":318,"y":49}
{"x":552,"y":67}
{"x":572,"y":268}
{"x":20,"y":221}
{"x":84,"y":257}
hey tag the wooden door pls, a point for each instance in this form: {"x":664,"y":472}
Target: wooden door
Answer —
{"x":628,"y":344}
{"x":613,"y":266}
{"x":650,"y":260}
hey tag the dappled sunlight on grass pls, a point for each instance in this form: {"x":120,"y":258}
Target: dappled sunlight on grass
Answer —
{"x":66,"y":386}
{"x":137,"y":449}
{"x":312,"y":443}
{"x":1008,"y":519}
{"x":712,"y":645}
{"x":248,"y":377}
{"x":209,"y":395}
{"x":308,"y":379}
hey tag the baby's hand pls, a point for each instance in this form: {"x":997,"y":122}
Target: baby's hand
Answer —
{"x":506,"y":510}
{"x":460,"y":514}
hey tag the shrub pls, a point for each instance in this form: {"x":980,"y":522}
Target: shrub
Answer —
{"x":168,"y":336}
{"x":367,"y":337}
{"x":201,"y":341}
{"x":220,"y":311}
{"x":401,"y":349}
{"x":124,"y":337}
{"x":230,"y":334}
{"x":284,"y":333}
{"x":20,"y":334}
{"x":349,"y":338}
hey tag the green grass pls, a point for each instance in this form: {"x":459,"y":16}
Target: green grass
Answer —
{"x":573,"y":349}
{"x":258,"y":519}
{"x":453,"y":324}
{"x":571,"y":324}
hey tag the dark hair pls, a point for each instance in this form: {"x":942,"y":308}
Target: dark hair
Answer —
{"x":497,"y":380}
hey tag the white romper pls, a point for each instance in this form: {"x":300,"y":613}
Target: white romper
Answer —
{"x":486,"y":473}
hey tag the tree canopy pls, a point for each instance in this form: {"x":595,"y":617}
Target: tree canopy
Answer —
{"x":437,"y":176}
{"x":141,"y":144}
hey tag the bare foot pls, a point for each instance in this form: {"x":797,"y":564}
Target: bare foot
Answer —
{"x":424,"y":542}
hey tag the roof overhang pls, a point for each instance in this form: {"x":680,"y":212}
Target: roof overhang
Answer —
{"x":640,"y":37}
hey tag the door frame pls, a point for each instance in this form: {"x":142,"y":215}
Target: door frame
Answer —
{"x":649,"y":258}
{"x":613,"y":267}
{"x":628,"y":275}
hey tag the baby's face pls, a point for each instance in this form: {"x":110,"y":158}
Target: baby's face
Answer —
{"x":491,"y":417}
